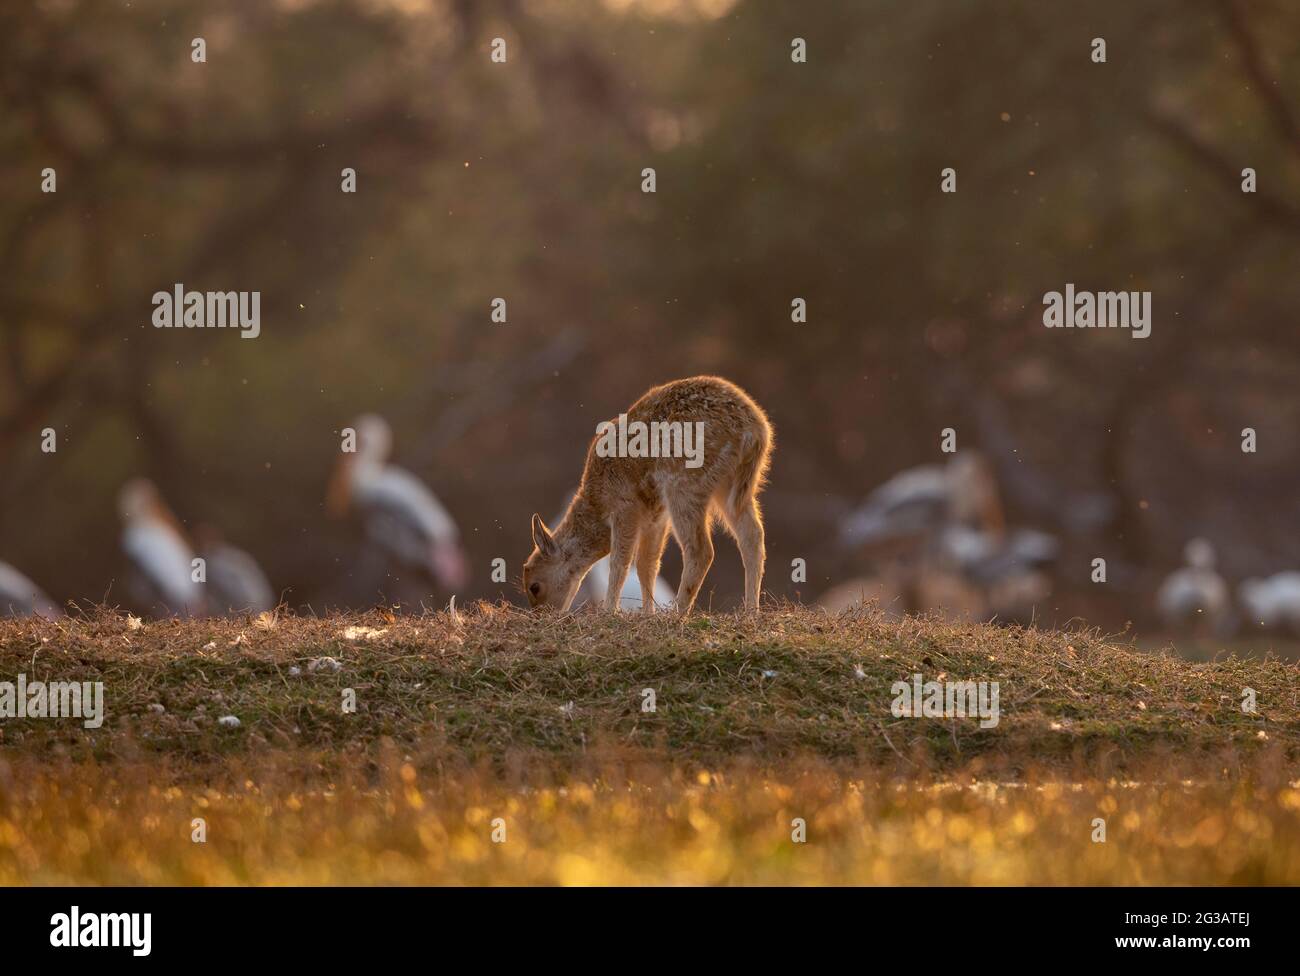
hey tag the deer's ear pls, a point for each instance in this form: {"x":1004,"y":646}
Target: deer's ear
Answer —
{"x":542,"y":537}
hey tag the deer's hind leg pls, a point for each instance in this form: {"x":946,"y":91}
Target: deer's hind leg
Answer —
{"x":746,"y":524}
{"x":690,"y":518}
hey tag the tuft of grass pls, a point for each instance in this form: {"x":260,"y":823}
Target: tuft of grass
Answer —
{"x":493,"y":682}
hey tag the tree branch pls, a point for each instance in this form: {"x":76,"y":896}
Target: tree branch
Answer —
{"x":1265,"y":83}
{"x":1272,"y":209}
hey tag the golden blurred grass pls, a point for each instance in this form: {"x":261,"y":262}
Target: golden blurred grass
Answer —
{"x":496,"y":714}
{"x":385,"y":822}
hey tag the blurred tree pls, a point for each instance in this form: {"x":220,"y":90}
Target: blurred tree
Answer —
{"x":520,"y":180}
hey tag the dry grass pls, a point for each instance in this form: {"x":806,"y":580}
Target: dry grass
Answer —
{"x":538,"y":721}
{"x":790,"y":683}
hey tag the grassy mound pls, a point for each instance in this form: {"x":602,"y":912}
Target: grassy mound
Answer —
{"x":493,"y":681}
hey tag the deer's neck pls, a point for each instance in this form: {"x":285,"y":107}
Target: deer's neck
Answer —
{"x":584,"y":530}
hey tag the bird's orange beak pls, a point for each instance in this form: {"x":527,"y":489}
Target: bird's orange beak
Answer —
{"x":159,"y":511}
{"x":995,"y":519}
{"x":338,"y":495}
{"x":450,"y":565}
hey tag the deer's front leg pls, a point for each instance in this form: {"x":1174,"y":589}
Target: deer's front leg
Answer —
{"x":622,"y":544}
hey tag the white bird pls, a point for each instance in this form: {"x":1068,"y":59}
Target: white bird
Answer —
{"x":988,"y":557}
{"x":1272,"y":603}
{"x":1007,"y":567}
{"x":965,"y":564}
{"x":910,"y":502}
{"x":596,"y":583}
{"x":921,"y":500}
{"x":162,"y":559}
{"x":20,"y":597}
{"x":1196,"y":593}
{"x":402,"y":516}
{"x":235,"y":583}
{"x":967,"y":549}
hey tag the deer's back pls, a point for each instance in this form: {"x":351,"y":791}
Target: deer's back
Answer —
{"x":733,"y":424}
{"x":726,"y":410}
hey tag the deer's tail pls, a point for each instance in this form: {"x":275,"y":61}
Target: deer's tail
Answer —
{"x":755,"y":453}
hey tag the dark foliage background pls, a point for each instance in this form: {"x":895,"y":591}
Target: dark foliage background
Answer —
{"x":775,"y":180}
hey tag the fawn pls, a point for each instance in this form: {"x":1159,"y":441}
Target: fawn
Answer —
{"x":633,"y":491}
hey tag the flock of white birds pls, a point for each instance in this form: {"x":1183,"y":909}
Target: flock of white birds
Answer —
{"x":939,"y":543}
{"x":935,"y":537}
{"x":171,"y":573}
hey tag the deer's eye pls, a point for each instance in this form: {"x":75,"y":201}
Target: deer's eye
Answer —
{"x":535,"y":589}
